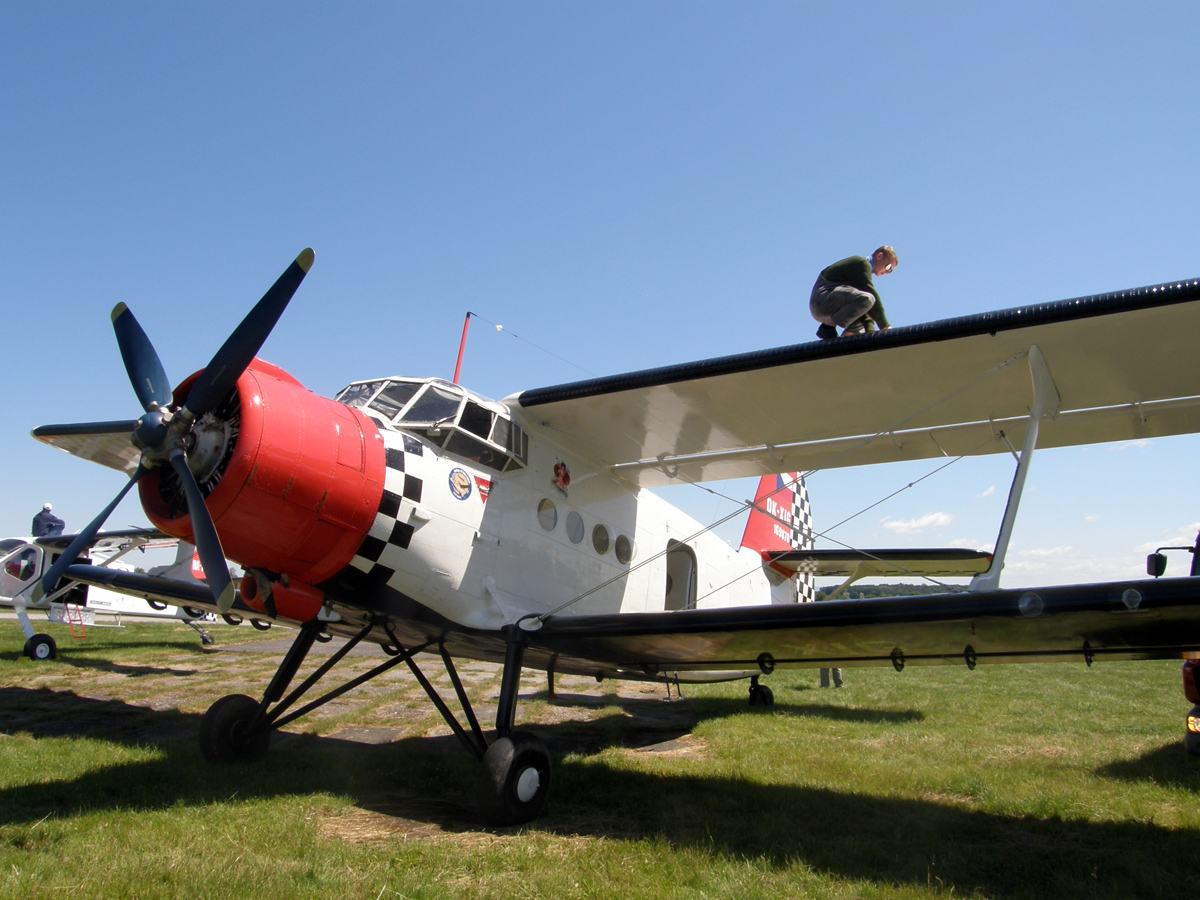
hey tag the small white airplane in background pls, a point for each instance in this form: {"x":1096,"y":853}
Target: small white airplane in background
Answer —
{"x":421,"y":516}
{"x":23,"y":561}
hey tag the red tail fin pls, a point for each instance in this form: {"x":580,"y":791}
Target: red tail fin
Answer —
{"x":780,"y":519}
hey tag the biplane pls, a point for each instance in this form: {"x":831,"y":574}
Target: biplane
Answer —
{"x":416,"y":514}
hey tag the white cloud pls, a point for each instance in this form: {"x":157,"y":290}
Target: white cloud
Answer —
{"x":917,"y":526}
{"x":1046,"y":552}
{"x":989,"y":491}
{"x":970,"y":544}
{"x":1126,"y":445}
{"x":1092,"y":518}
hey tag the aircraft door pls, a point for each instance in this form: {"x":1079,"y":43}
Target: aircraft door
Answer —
{"x":681,"y":576}
{"x":19,"y":570}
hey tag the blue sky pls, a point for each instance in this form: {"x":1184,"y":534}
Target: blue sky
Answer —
{"x":622,"y":185}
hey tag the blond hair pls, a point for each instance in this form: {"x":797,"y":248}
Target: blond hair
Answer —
{"x":888,"y":252}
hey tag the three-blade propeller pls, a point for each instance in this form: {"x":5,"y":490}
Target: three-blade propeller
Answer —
{"x":162,"y":432}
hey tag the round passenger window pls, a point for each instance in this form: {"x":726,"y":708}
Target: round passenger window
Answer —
{"x":625,"y":549}
{"x":547,"y":514}
{"x":601,"y":539}
{"x":574,"y":527}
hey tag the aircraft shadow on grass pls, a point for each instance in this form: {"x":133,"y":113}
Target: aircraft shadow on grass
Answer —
{"x":949,"y":846}
{"x":104,"y":665}
{"x":1169,"y":765}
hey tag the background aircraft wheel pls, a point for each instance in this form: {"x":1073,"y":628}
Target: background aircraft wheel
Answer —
{"x":41,"y":646}
{"x":261,"y":625}
{"x":761,"y":695}
{"x":193,"y":612}
{"x":156,"y":604}
{"x":514,"y":779}
{"x":324,"y":638}
{"x":224,"y":736}
{"x":231,"y":619}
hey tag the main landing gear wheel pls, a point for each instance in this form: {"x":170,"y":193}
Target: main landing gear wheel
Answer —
{"x":514,"y":779}
{"x":224,"y":731}
{"x":41,"y":646}
{"x":260,"y":624}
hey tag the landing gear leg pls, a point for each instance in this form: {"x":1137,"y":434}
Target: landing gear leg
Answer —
{"x":514,"y":776}
{"x":205,"y":638}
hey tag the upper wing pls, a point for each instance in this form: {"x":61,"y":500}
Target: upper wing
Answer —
{"x":1124,"y":366}
{"x":106,"y":443}
{"x":136,"y":536}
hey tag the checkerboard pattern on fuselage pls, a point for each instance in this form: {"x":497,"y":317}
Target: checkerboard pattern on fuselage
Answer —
{"x":379,"y":555}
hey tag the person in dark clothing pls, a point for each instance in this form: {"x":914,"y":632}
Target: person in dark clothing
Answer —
{"x":46,"y":523}
{"x":845,"y":296}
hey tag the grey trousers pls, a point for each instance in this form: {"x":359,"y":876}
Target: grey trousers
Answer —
{"x":837,"y":677}
{"x":838,"y":304}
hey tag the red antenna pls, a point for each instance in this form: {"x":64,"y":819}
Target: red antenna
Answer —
{"x":462,"y":345}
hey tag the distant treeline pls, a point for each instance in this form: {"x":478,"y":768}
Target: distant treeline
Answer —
{"x":870,"y":591}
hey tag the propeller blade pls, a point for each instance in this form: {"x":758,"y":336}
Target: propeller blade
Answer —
{"x":212,"y":557}
{"x":222,"y":373}
{"x":145,"y":370}
{"x":55,"y":572}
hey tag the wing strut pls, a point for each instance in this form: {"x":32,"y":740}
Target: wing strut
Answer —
{"x":1045,"y":402}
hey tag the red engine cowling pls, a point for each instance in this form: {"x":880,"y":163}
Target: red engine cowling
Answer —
{"x":292,"y":480}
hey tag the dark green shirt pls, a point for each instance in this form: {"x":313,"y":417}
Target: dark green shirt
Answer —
{"x":856,"y":272}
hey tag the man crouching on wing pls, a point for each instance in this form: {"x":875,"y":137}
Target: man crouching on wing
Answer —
{"x":845,"y":296}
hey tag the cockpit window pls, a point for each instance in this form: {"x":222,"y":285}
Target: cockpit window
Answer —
{"x":476,"y":419}
{"x":393,"y":397}
{"x":435,"y":405}
{"x":445,"y":415}
{"x":359,"y":394}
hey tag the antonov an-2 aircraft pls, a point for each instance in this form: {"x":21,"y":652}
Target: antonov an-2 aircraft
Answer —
{"x":418,"y":515}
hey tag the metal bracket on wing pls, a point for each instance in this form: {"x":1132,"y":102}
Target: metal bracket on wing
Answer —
{"x":1046,"y":402}
{"x":859,"y":572}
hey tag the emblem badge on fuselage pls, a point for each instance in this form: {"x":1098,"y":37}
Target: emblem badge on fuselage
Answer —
{"x":460,"y":484}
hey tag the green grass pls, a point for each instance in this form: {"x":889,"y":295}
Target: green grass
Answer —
{"x":1009,"y":781}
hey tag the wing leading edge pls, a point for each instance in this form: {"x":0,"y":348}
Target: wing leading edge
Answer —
{"x":1123,"y":366}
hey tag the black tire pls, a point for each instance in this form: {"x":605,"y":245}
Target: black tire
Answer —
{"x":193,"y":612}
{"x":261,"y":625}
{"x":761,"y":695}
{"x":41,"y":647}
{"x":324,"y":638}
{"x":223,"y":731}
{"x":156,"y":604}
{"x":514,"y":779}
{"x":232,"y":619}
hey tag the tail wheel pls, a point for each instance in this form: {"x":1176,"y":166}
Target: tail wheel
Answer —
{"x":761,"y":695}
{"x":41,"y":646}
{"x":514,"y":779}
{"x":225,"y":734}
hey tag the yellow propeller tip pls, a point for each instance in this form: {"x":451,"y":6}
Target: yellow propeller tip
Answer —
{"x":305,"y":259}
{"x":118,"y":311}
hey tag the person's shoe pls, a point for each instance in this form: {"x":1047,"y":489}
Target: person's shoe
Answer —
{"x":827,"y":332}
{"x":855,"y":329}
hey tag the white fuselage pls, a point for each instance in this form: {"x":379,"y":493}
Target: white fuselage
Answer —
{"x":554,"y":534}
